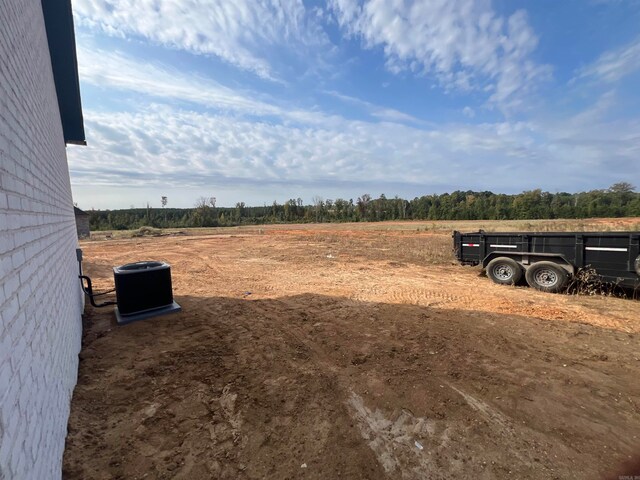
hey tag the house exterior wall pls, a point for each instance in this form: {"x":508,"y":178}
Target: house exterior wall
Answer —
{"x":40,"y":299}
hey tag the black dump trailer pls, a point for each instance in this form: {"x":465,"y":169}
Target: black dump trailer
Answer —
{"x":548,"y":260}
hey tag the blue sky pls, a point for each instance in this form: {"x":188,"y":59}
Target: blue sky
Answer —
{"x":263,"y":100}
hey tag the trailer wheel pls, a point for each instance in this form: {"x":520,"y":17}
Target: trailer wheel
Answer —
{"x":547,"y":277}
{"x":504,"y":271}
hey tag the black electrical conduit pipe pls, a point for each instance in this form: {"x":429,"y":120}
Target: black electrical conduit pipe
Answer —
{"x":88,"y":289}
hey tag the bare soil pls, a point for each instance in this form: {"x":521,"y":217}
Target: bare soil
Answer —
{"x":356,"y":352}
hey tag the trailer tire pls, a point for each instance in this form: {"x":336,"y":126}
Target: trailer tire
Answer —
{"x":547,"y":277}
{"x":504,"y":271}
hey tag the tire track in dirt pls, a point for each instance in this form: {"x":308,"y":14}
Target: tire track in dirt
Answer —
{"x":427,"y":297}
{"x":411,"y":447}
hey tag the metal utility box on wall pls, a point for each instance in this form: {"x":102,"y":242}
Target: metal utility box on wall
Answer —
{"x":143,"y":290}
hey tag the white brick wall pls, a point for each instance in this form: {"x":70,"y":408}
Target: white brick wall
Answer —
{"x":40,"y":300}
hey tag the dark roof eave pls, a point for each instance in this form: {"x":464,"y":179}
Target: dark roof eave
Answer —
{"x":58,"y":19}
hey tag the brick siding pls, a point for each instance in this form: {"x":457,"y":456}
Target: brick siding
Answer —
{"x":40,"y":300}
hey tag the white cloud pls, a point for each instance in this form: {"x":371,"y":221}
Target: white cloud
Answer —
{"x":241,"y":32}
{"x":606,"y":148}
{"x":244,"y":139}
{"x":463,"y":43}
{"x":119,"y":71}
{"x":122,"y":72}
{"x":377,"y":111}
{"x":614,"y":65}
{"x":168,"y":146}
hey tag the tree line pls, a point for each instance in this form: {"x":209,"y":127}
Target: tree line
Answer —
{"x":620,"y":200}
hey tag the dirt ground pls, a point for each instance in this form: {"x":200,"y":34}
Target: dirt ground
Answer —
{"x":355,"y":352}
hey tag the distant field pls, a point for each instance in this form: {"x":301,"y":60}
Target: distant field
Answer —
{"x":358,"y":350}
{"x":591,"y":224}
{"x":372,"y":239}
